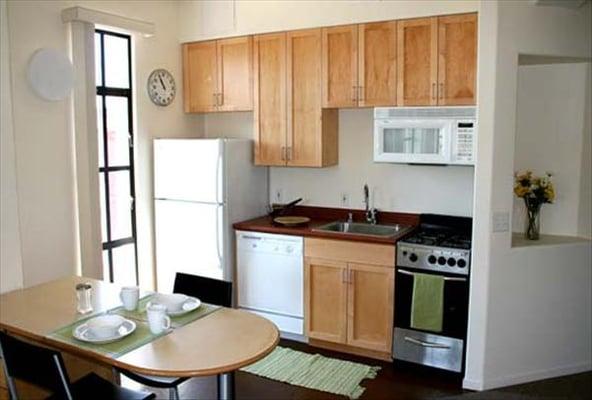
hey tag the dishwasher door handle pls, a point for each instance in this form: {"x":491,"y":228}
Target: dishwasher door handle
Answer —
{"x":251,"y":237}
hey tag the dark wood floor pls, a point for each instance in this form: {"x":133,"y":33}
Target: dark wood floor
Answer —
{"x":393,"y":383}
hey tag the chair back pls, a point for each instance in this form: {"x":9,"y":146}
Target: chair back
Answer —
{"x":208,"y":290}
{"x":33,"y":364}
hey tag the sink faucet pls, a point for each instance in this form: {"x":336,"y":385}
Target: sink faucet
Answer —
{"x":371,"y":213}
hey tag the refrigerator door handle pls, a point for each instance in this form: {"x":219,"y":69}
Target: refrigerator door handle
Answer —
{"x":218,"y":170}
{"x":218,"y":235}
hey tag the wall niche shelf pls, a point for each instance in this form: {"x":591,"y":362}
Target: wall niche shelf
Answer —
{"x":518,"y":240}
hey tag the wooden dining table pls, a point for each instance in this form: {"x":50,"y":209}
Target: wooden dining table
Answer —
{"x":217,"y":344}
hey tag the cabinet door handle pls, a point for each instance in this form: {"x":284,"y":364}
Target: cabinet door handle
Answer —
{"x":289,"y":153}
{"x":434,"y":91}
{"x":350,"y":277}
{"x":441,"y":91}
{"x":354,"y":93}
{"x":215,"y":99}
{"x":361,"y":93}
{"x":283,"y":153}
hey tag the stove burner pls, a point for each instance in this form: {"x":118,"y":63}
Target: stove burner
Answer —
{"x":440,"y":238}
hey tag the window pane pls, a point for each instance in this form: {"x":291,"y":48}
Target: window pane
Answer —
{"x":120,"y":205}
{"x":124,"y":265}
{"x":101,"y":145}
{"x":102,"y":200}
{"x":106,"y":275}
{"x":98,"y":61}
{"x":116,"y":62}
{"x":117,"y":130}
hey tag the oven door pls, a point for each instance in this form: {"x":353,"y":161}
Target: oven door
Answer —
{"x":412,"y":141}
{"x":456,"y":303}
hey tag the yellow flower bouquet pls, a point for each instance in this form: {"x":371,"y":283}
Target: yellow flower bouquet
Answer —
{"x":535,"y":191}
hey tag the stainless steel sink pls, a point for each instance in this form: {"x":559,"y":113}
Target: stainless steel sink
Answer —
{"x":357,"y":228}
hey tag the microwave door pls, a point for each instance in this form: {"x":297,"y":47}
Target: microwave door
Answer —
{"x":422,"y":142}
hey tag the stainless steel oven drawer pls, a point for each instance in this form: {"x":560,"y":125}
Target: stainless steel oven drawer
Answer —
{"x":427,"y":349}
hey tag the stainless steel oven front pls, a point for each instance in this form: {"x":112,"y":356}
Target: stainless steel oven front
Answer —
{"x":443,"y":349}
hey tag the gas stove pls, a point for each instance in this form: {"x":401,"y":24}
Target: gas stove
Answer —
{"x":441,"y":244}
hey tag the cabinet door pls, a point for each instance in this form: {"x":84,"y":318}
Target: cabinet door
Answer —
{"x":377,"y":71}
{"x":199,"y":76}
{"x":370,"y":309}
{"x":340,"y":66}
{"x":457,"y":59}
{"x":325,"y":299}
{"x":235,"y":69}
{"x":305,"y":142}
{"x":269,"y":61}
{"x":417,"y":59}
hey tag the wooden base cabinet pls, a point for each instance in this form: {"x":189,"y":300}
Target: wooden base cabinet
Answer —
{"x":347,"y":301}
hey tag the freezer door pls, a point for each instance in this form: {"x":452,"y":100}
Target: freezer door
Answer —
{"x":188,"y":239}
{"x":189,"y":169}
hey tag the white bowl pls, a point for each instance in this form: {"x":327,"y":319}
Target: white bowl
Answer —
{"x":173,"y":302}
{"x":105,"y":326}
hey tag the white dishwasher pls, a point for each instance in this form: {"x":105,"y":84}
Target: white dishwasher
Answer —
{"x":270,"y":283}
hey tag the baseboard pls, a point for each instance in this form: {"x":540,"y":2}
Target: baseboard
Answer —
{"x":526,"y":377}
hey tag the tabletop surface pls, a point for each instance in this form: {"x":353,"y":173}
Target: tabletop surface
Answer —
{"x":220,"y":342}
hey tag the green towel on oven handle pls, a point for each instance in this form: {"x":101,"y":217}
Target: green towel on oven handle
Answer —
{"x":427,"y":304}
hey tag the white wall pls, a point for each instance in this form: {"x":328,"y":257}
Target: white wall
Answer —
{"x":11,"y":271}
{"x":219,"y":18}
{"x":522,"y":302}
{"x":551,"y":108}
{"x":395,"y":187}
{"x":44,"y":141}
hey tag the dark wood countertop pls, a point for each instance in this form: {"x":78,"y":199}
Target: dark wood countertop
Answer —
{"x":320,"y":216}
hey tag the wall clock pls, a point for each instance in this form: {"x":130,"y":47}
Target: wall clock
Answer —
{"x":161,"y":87}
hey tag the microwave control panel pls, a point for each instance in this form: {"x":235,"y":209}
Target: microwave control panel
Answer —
{"x":463,"y":144}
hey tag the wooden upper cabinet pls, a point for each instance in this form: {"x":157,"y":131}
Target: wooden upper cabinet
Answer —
{"x":340,"y":66}
{"x":269,"y":96}
{"x":370,"y":309}
{"x":217,"y":75}
{"x":377,"y":70}
{"x":417,"y":66}
{"x":325,"y":294}
{"x":457,"y":59}
{"x":235,"y":69}
{"x":200,"y":76}
{"x":312,"y":131}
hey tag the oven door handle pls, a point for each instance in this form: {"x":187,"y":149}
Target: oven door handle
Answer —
{"x":426,"y":344}
{"x":446,"y":278}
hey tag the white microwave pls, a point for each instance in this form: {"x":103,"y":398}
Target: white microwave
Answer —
{"x":425,"y":135}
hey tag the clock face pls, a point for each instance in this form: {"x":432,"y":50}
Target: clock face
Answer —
{"x":161,"y":87}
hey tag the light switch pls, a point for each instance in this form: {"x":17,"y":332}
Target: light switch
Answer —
{"x":501,"y":221}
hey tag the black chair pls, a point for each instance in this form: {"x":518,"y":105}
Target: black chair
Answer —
{"x":208,"y":290}
{"x":45,"y":368}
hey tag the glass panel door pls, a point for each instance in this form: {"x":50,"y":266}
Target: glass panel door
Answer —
{"x":116,"y":156}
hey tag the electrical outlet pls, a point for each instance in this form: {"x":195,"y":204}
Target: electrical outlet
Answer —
{"x":278,"y":196}
{"x":501,"y":221}
{"x":344,"y":199}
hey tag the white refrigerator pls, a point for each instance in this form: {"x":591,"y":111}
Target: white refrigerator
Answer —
{"x":202,"y":187}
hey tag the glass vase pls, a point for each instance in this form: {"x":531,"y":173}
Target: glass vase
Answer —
{"x":533,"y":222}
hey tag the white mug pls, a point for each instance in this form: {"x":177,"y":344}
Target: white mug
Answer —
{"x":158,"y":320}
{"x":129,"y":296}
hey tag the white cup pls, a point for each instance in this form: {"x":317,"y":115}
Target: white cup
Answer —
{"x":158,"y":320}
{"x":129,"y":296}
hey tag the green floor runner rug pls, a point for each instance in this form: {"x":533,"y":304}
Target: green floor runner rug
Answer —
{"x":314,"y":371}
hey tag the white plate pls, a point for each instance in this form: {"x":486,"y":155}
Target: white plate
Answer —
{"x":82,"y":333}
{"x":191,"y":304}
